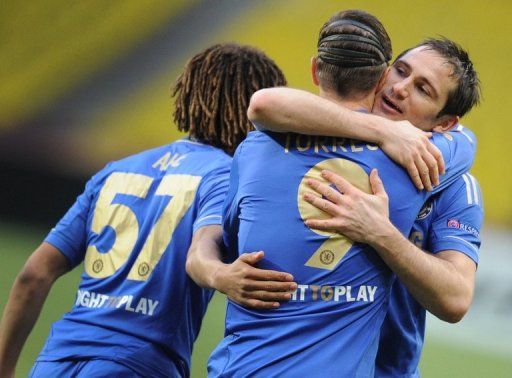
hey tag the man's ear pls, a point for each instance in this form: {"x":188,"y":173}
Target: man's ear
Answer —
{"x":314,"y":75}
{"x":382,"y":80}
{"x":446,"y":123}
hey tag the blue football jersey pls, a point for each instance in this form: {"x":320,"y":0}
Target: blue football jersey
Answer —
{"x":132,"y":228}
{"x":450,"y":220}
{"x":330,"y":327}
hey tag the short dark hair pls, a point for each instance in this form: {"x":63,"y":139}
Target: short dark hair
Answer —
{"x":354,"y":50}
{"x":213,"y":93}
{"x":467,"y":93}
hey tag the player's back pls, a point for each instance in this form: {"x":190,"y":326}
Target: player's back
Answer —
{"x":132,"y":228}
{"x":328,"y":325}
{"x":331,"y":325}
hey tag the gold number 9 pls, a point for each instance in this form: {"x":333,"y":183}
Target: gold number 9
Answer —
{"x":332,"y":250}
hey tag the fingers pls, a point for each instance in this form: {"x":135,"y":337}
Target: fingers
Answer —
{"x":257,"y":304}
{"x":435,"y":162}
{"x":254,"y":273}
{"x":424,"y":172}
{"x":252,"y":284}
{"x":269,"y":275}
{"x":325,"y":190}
{"x":341,"y":184}
{"x":257,"y":288}
{"x":431,"y":163}
{"x":270,"y":297}
{"x":376,"y":183}
{"x":321,"y":204}
{"x":431,"y":166}
{"x":436,"y":153}
{"x":427,"y":166}
{"x":414,"y":174}
{"x":252,"y":258}
{"x":321,"y":224}
{"x":260,"y":295}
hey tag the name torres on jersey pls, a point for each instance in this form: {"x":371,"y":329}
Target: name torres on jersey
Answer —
{"x":316,"y":144}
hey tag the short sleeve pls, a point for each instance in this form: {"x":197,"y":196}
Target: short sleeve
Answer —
{"x":230,"y":212}
{"x":69,"y":236}
{"x":211,"y":194}
{"x":458,"y":148}
{"x":459,"y":216}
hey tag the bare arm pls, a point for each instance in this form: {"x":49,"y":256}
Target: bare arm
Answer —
{"x":442,"y":283}
{"x":25,"y":302}
{"x":292,"y":110}
{"x":241,"y":281}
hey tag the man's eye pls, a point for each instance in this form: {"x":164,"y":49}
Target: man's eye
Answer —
{"x":400,"y":71}
{"x":424,"y":91}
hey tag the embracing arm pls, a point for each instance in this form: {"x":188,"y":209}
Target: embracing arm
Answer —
{"x":442,"y":283}
{"x":293,"y":110}
{"x":25,"y":302}
{"x":241,"y":281}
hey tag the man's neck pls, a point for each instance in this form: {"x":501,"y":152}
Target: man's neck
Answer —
{"x":361,"y":103}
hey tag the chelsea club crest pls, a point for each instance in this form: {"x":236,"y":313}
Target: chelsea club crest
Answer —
{"x":425,"y":210}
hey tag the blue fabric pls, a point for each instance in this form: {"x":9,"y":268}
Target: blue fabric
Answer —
{"x":82,"y":369}
{"x":451,"y":220}
{"x":331,"y":326}
{"x":149,"y":322}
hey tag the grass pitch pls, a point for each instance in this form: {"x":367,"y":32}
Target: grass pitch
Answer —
{"x":439,"y":360}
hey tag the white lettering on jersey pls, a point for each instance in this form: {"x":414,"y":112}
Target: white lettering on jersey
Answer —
{"x":144,"y":306}
{"x":168,"y":160}
{"x":327,"y":293}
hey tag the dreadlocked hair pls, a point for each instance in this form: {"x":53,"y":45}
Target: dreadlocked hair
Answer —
{"x":213,"y":93}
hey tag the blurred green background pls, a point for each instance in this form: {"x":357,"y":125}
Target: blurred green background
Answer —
{"x":440,"y":358}
{"x":89,"y":81}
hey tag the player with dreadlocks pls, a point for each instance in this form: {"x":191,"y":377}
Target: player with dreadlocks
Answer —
{"x":136,"y":311}
{"x":212,"y":93}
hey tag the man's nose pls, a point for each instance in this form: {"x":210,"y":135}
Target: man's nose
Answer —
{"x":401,"y":89}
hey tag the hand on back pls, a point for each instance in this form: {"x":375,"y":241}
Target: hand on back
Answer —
{"x":252,"y":287}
